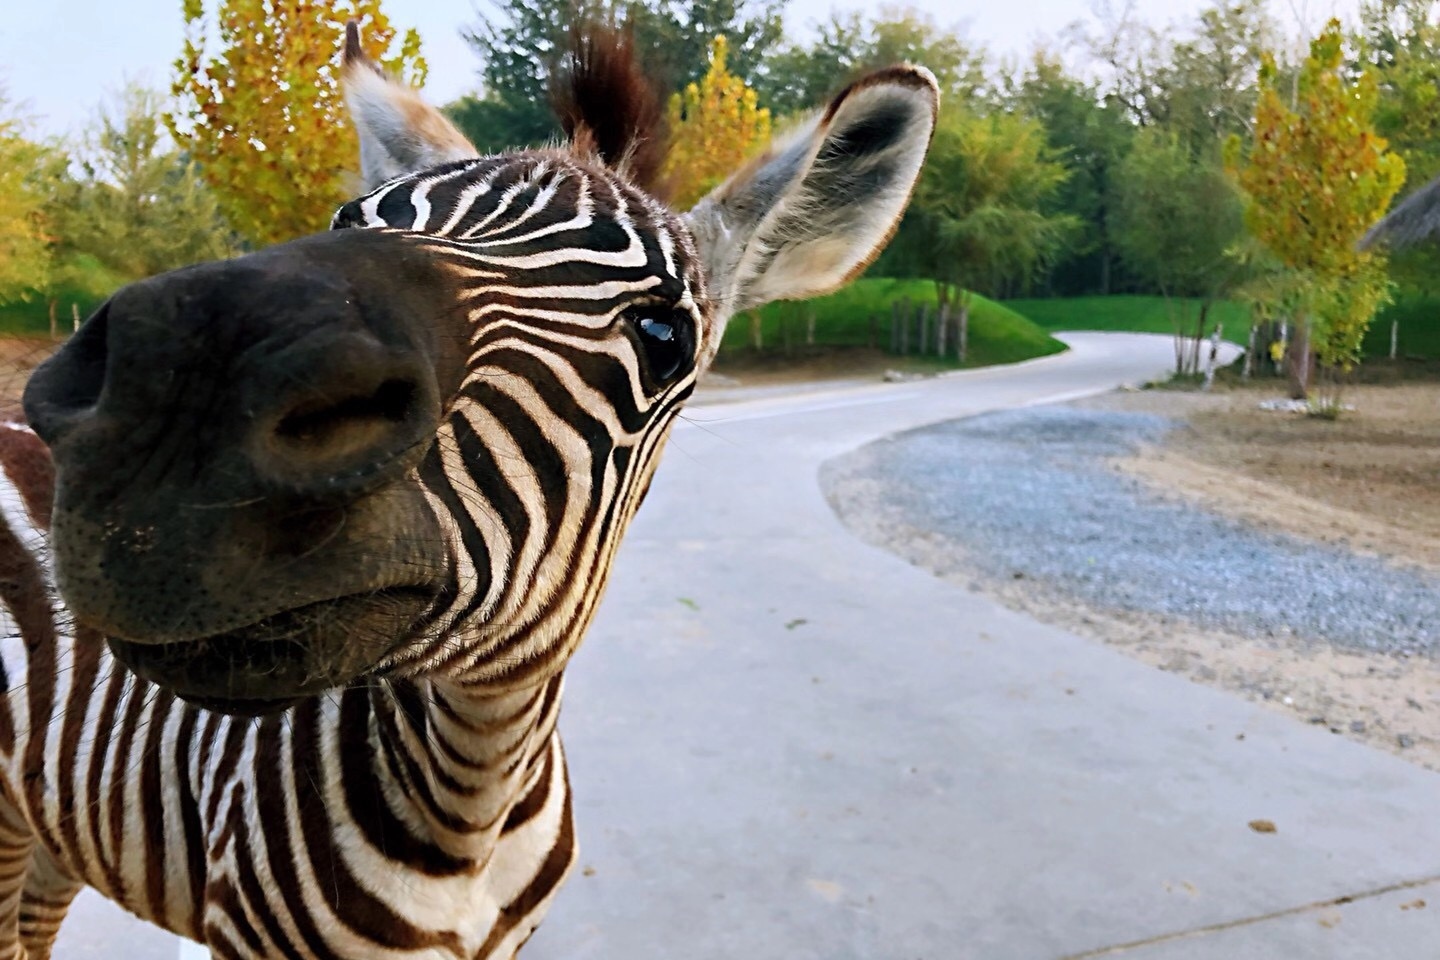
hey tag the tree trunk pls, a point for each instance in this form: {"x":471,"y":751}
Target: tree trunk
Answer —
{"x":1200,"y":334}
{"x":963,"y":335}
{"x":1300,"y":360}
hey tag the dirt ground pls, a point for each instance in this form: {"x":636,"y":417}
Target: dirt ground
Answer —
{"x":803,"y":366}
{"x":1369,"y":482}
{"x":18,"y":357}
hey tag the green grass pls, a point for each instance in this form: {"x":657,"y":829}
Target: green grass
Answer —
{"x":1419,"y":317}
{"x":997,"y":333}
{"x":1129,"y":314}
{"x":91,"y":285}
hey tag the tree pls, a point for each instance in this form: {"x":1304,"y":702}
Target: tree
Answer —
{"x":24,"y":240}
{"x":496,"y":122}
{"x":799,"y":78}
{"x":978,"y":220}
{"x":715,"y":125}
{"x":519,"y":44}
{"x":1207,"y":84}
{"x":138,"y":206}
{"x":1091,"y":135}
{"x":1129,"y":56}
{"x":261,"y":109}
{"x":1400,"y":45}
{"x":1176,"y":219}
{"x":1317,"y":177}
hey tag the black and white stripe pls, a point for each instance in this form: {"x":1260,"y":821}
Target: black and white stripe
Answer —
{"x":424,"y":811}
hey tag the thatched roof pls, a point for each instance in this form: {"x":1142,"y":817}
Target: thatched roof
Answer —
{"x":1416,"y":220}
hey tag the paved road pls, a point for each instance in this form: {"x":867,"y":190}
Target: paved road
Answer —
{"x":785,"y":743}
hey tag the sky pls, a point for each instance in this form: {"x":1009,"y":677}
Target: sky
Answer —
{"x":60,"y":58}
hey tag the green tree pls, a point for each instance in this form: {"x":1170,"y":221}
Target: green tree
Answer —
{"x":1091,"y":135}
{"x":519,"y":43}
{"x":978,"y":222}
{"x":1207,"y":83}
{"x":138,"y":206}
{"x":1317,"y":176}
{"x":24,"y":238}
{"x":800,"y":77}
{"x":260,"y":108}
{"x":1176,"y":219}
{"x":1399,"y":43}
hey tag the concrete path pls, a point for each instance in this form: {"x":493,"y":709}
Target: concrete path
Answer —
{"x":787,"y":744}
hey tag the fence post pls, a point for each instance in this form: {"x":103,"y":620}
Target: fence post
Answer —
{"x":924,"y":329}
{"x":1249,"y":354}
{"x":810,"y":328}
{"x":941,"y":329}
{"x":1394,"y":338}
{"x":1214,"y":356}
{"x":905,"y":321}
{"x":75,"y":314}
{"x":963,"y":346}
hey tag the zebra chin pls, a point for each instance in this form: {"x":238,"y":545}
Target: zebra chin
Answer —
{"x":283,"y":659}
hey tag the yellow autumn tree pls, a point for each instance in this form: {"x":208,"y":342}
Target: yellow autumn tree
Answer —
{"x":259,"y":106}
{"x":1318,"y":176}
{"x":715,"y":125}
{"x":24,"y":240}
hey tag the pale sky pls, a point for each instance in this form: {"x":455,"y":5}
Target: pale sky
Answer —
{"x":60,"y":57}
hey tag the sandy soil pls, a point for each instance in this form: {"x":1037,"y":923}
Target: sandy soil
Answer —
{"x":1369,"y":482}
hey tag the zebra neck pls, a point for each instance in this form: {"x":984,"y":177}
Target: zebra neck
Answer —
{"x":464,"y":759}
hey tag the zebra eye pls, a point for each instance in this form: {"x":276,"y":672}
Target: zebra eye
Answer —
{"x":667,"y":338}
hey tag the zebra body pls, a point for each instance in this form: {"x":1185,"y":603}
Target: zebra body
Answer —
{"x":174,"y":811}
{"x":287,"y":603}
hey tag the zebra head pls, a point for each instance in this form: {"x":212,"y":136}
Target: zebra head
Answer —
{"x":410,"y":445}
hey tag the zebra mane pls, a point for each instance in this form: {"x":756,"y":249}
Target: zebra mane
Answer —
{"x":608,"y":106}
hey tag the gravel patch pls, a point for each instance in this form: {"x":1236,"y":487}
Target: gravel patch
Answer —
{"x":1030,"y":495}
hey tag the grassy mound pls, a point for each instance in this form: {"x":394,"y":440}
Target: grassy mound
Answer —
{"x":998,"y":334}
{"x":1129,"y":314}
{"x":90,"y":285}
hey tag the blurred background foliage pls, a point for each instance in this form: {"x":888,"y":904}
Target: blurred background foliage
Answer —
{"x":1115,"y":167}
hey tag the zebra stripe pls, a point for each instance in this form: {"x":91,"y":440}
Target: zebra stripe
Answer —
{"x":425,"y":810}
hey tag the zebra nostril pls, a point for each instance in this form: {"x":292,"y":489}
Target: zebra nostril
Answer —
{"x":68,"y":385}
{"x":336,"y":431}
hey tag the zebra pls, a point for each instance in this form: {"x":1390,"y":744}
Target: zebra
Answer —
{"x":296,"y":546}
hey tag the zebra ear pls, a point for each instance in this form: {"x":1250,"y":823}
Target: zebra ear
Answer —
{"x":814,"y":210}
{"x":400,"y":134}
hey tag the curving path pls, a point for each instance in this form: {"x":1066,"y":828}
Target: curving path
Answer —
{"x":788,"y":744}
{"x":785,"y":743}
